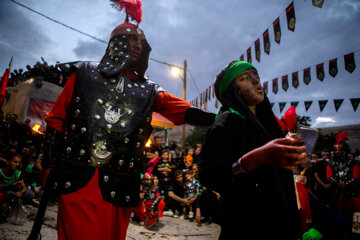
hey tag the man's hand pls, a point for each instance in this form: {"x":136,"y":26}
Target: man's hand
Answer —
{"x":186,"y":202}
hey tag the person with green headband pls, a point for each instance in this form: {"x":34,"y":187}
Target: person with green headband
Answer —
{"x":247,"y":159}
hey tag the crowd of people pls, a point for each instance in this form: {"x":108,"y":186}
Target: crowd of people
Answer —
{"x":40,"y":72}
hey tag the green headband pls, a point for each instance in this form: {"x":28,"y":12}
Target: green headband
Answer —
{"x":230,"y":74}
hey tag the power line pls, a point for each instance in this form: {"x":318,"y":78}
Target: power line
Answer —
{"x":192,"y":78}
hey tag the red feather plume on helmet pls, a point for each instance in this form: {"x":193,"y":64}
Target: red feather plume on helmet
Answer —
{"x":132,"y":8}
{"x":341,"y":136}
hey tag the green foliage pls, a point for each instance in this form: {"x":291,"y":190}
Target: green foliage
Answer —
{"x":197,"y":135}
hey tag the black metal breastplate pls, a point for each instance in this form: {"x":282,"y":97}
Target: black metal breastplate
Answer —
{"x":109,"y":123}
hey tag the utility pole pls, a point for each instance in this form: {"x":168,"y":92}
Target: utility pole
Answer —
{"x":184,"y":97}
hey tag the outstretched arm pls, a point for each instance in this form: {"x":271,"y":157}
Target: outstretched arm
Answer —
{"x":180,"y":111}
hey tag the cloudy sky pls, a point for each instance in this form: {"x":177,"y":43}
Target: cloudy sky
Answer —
{"x":208,"y":34}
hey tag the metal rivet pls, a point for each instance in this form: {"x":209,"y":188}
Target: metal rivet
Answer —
{"x":67,"y":185}
{"x":107,"y":63}
{"x":89,"y":161}
{"x":98,"y":163}
{"x":142,"y":86}
{"x":82,"y":152}
{"x":129,"y":85}
{"x":122,"y":124}
{"x":126,"y":140}
{"x":128,"y":30}
{"x":103,"y":147}
{"x":127,"y":56}
{"x":94,"y":145}
{"x":105,"y":83}
{"x":105,"y":68}
{"x":109,"y":126}
{"x":100,"y":101}
{"x":83,"y":130}
{"x":131,"y":165}
{"x":77,"y":99}
{"x":116,"y":49}
{"x":113,"y":80}
{"x":77,"y":111}
{"x":141,"y":130}
{"x":55,"y":185}
{"x":133,"y":93}
{"x":136,"y":85}
{"x":97,"y":117}
{"x":127,"y":198}
{"x":106,"y":178}
{"x":95,"y":77}
{"x":67,"y":65}
{"x":113,"y":194}
{"x":112,"y":89}
{"x":73,"y":127}
{"x":138,"y":144}
{"x":68,"y":149}
{"x":121,"y":162}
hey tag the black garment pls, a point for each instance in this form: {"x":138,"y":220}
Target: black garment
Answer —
{"x":178,"y":190}
{"x":261,"y":204}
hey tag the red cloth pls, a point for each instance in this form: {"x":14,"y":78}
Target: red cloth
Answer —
{"x":168,"y":105}
{"x":84,"y":214}
{"x":305,"y":211}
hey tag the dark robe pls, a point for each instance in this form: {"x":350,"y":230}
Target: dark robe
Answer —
{"x":260,"y":204}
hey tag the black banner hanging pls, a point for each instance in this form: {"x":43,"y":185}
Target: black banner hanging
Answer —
{"x":197,"y":101}
{"x":248,"y":52}
{"x":275,"y":87}
{"x":277,"y":30}
{"x":257,"y":49}
{"x":349,"y":62}
{"x":206,"y":95}
{"x":322,"y":104}
{"x":333,"y":70}
{"x":307,"y":76}
{"x":294,"y":104}
{"x":320,"y":74}
{"x":266,"y":42}
{"x":265,"y":87}
{"x":201,"y":100}
{"x":281,"y":106}
{"x":272,"y":104}
{"x":209,"y":94}
{"x":285,"y":82}
{"x":290,"y":17}
{"x":337,"y":103}
{"x":242,"y":57}
{"x":295,"y":79}
{"x":307,"y":105}
{"x":318,"y":3}
{"x":355,"y":103}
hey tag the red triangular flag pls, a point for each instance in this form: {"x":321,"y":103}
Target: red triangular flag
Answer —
{"x":3,"y":84}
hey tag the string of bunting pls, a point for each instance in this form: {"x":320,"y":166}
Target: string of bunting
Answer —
{"x":205,"y":96}
{"x":349,"y":63}
{"x":322,"y":103}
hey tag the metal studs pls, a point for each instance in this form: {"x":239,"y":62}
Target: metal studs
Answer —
{"x":105,"y":83}
{"x":55,"y":185}
{"x":115,"y":39}
{"x":142,"y":86}
{"x":113,"y":80}
{"x":68,"y":149}
{"x":109,"y":126}
{"x":83,"y":130}
{"x":82,"y":152}
{"x":106,"y":178}
{"x":67,"y":185}
{"x":133,"y":93}
{"x":67,"y":65}
{"x":116,"y":59}
{"x":77,"y":111}
{"x":138,"y":144}
{"x":127,"y":56}
{"x":129,"y":85}
{"x":113,"y":193}
{"x":128,"y":30}
{"x":103,"y":147}
{"x":95,"y":77}
{"x":121,"y":162}
{"x":73,"y":127}
{"x":126,"y":140}
{"x":94,"y":145}
{"x":105,"y":68}
{"x":100,"y":101}
{"x":115,"y":49}
{"x":97,"y":117}
{"x":122,"y":124}
{"x":107,"y":63}
{"x":131,"y":165}
{"x":112,"y":89}
{"x":136,"y":85}
{"x":141,"y":130}
{"x":88,"y":161}
{"x":121,"y":53}
{"x":129,"y":111}
{"x":77,"y":99}
{"x":127,"y":198}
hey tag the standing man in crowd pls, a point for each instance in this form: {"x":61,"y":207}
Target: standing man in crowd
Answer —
{"x":246,"y":158}
{"x":105,"y":110}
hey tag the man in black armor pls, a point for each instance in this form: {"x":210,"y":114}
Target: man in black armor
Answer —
{"x":96,"y":132}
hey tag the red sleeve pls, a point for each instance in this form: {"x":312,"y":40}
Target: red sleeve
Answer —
{"x":57,"y":117}
{"x":329,"y":172}
{"x":171,"y":107}
{"x":356,"y":172}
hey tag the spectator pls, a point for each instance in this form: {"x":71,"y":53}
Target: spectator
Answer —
{"x":197,"y":154}
{"x":163,"y":171}
{"x":191,"y":191}
{"x":176,"y":193}
{"x":188,"y":160}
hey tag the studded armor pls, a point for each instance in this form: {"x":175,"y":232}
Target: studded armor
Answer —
{"x":108,"y":125}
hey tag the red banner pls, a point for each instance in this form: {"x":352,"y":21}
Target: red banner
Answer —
{"x":37,"y":111}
